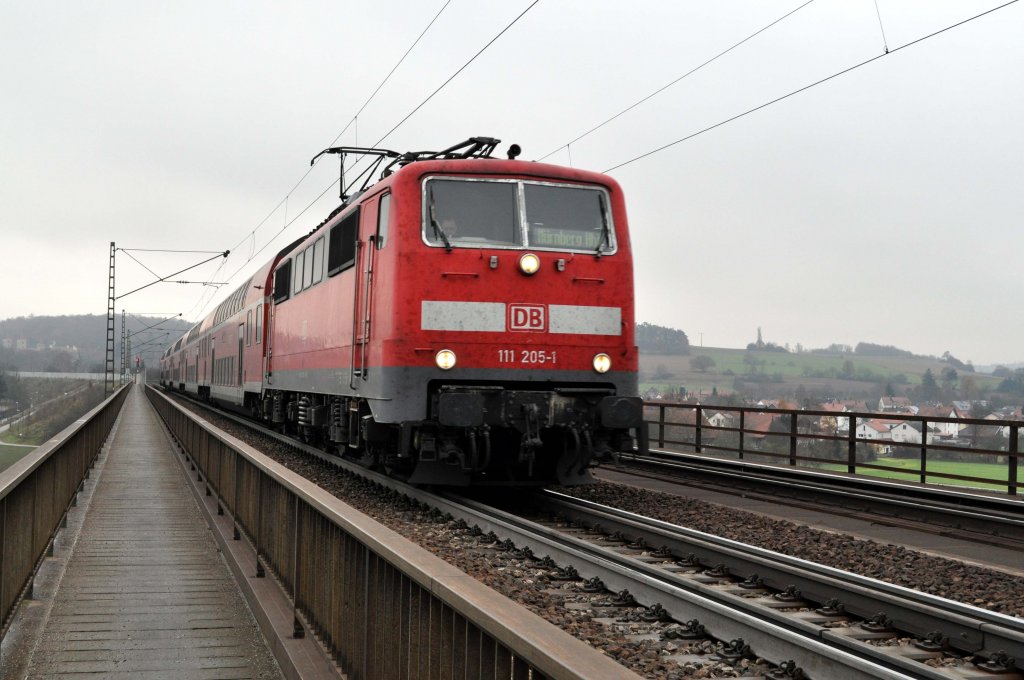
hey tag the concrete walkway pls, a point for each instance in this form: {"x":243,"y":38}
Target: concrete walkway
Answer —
{"x":145,"y":593}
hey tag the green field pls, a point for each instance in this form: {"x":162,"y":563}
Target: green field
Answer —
{"x":60,"y":402}
{"x":981,"y":470}
{"x":9,"y":455}
{"x":785,"y":371}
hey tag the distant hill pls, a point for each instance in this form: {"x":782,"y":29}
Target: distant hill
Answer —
{"x":811,"y":375}
{"x":75,"y":343}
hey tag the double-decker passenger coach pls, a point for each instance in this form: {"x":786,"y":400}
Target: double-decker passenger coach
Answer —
{"x":463,"y":320}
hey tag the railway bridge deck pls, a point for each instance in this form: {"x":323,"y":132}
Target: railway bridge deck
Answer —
{"x":178,"y":551}
{"x":136,"y":586}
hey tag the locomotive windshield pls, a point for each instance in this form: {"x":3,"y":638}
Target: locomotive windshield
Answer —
{"x":516,"y":214}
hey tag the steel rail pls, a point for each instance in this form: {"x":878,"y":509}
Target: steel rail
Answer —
{"x":772,"y":635}
{"x":472,"y":623}
{"x":975,"y":516}
{"x":967,"y":628}
{"x":818,"y":651}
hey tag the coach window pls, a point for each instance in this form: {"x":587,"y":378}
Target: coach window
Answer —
{"x":341,"y":246}
{"x":382,"y":220}
{"x":282,"y":277}
{"x":259,"y":324}
{"x":318,"y":260}
{"x":248,"y":328}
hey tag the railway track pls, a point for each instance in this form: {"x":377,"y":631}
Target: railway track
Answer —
{"x":979,"y":517}
{"x":807,"y":620}
{"x":797,"y":594}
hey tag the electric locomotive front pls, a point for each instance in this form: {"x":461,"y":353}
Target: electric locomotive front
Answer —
{"x":510,"y":353}
{"x":465,"y":320}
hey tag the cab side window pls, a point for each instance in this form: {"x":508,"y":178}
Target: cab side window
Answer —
{"x":382,"y":220}
{"x":282,"y":282}
{"x":318,"y":260}
{"x":299,"y":264}
{"x":341,"y":247}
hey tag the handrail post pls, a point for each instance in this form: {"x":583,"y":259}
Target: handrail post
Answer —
{"x":792,"y":438}
{"x":851,"y":459}
{"x":1012,"y":460}
{"x":4,"y":556}
{"x":924,"y":451}
{"x":742,"y":427}
{"x":260,"y":573}
{"x":298,"y":631}
{"x":700,"y":417}
{"x":661,"y":426}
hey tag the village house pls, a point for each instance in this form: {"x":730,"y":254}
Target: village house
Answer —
{"x":722,"y":419}
{"x":895,"y":405}
{"x":946,"y":430}
{"x":874,"y":429}
{"x":910,"y":433}
{"x":757,"y":426}
{"x":833,"y":423}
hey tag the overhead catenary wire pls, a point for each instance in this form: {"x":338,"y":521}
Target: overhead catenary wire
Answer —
{"x":807,"y":87}
{"x":128,"y":253}
{"x":283,"y":229}
{"x":355,"y":118}
{"x":390,"y":132}
{"x":151,"y":325}
{"x":168,"y":250}
{"x":460,"y":70}
{"x":677,"y":80}
{"x":200,"y":304}
{"x":162,"y":279}
{"x":366,"y":103}
{"x":444,"y":84}
{"x":885,"y":41}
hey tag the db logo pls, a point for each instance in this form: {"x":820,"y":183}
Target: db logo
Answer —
{"x":527,"y":318}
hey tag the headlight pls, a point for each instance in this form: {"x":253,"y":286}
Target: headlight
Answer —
{"x":445,"y":359}
{"x":602,"y":362}
{"x":529,"y":264}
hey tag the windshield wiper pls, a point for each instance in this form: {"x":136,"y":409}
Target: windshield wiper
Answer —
{"x":438,"y":231}
{"x":605,"y":235}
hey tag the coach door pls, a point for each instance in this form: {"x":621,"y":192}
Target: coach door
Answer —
{"x":241,"y":351}
{"x":366,"y":250}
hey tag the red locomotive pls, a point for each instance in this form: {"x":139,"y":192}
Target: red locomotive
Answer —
{"x":464,"y":320}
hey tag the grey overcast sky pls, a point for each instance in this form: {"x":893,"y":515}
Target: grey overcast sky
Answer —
{"x":884,"y":205}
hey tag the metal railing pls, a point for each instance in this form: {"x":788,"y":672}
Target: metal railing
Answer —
{"x":862,"y":442}
{"x":36,"y":494}
{"x":382,"y":606}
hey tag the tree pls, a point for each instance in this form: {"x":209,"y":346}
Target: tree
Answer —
{"x":950,"y":359}
{"x":701,"y":363}
{"x":661,"y":340}
{"x":929,"y":387}
{"x":1014,"y":383}
{"x":949,"y":378}
{"x":968,"y":387}
{"x":661,"y":373}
